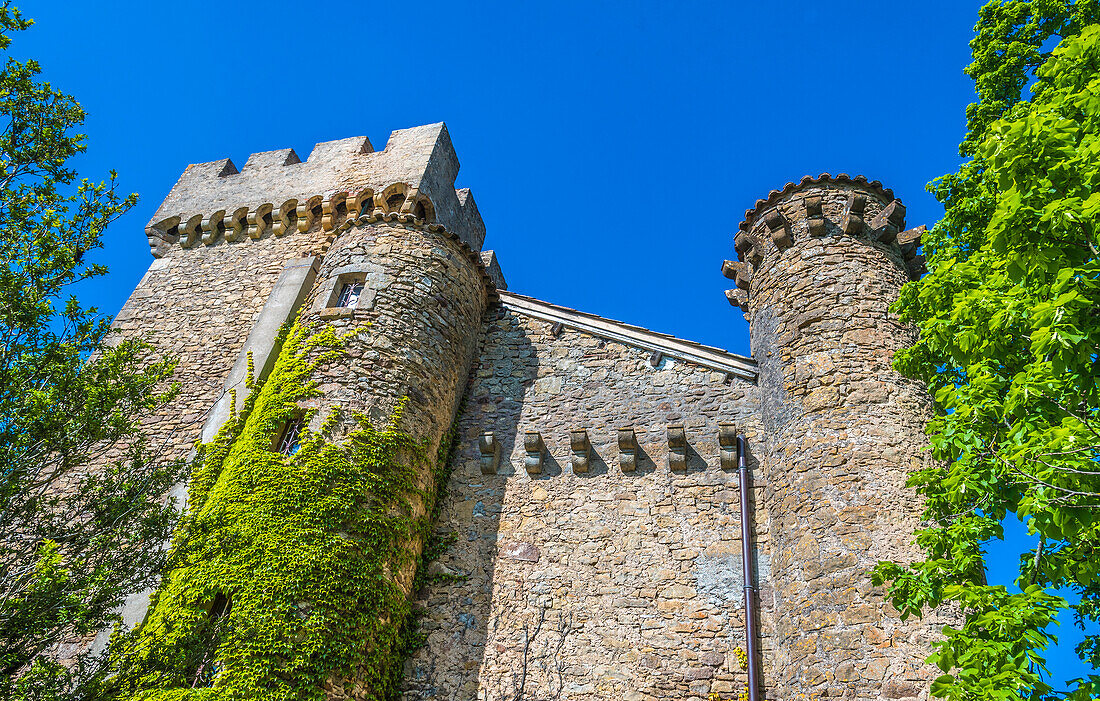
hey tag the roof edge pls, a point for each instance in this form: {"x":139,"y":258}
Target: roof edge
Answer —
{"x":680,"y":349}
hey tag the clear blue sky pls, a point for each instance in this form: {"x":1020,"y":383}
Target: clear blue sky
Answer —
{"x":612,"y":147}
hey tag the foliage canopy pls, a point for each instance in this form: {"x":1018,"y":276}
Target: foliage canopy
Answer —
{"x":75,"y":540}
{"x":1009,"y":319}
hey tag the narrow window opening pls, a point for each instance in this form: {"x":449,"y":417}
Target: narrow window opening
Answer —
{"x":289,"y":439}
{"x":209,"y":666}
{"x":394,"y":202}
{"x":421,"y":212}
{"x":221,"y":606}
{"x":349,"y":294}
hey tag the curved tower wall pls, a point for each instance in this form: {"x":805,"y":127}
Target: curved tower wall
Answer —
{"x":390,"y":220}
{"x":820,"y":265}
{"x":414,"y":327}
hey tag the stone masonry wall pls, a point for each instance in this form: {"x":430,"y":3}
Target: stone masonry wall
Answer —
{"x":418,"y":320}
{"x":198,"y":304}
{"x":843,"y":428}
{"x":601,"y":584}
{"x":412,"y":335}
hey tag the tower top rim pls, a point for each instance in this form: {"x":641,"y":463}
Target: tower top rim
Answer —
{"x":873,"y":186}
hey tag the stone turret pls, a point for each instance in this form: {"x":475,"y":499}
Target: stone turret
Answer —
{"x":819,"y":264}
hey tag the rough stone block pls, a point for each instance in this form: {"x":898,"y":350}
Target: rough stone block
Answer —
{"x":628,"y":449}
{"x":677,"y":448}
{"x":533,"y":445}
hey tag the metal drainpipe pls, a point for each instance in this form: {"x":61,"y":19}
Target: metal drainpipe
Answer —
{"x":746,"y":565}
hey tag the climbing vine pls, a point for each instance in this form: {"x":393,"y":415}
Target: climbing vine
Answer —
{"x":280,"y":583}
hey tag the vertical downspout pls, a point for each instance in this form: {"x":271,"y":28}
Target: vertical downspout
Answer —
{"x":746,"y":565}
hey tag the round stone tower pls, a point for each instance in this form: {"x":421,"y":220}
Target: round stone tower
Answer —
{"x":414,"y":293}
{"x":408,"y":297}
{"x":820,"y":262}
{"x":302,"y":547}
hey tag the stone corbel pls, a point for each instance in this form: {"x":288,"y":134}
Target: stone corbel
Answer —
{"x":490,"y":453}
{"x":739,"y":272}
{"x":410,"y":201}
{"x":727,"y":446}
{"x":331,"y":209}
{"x":815,"y":220}
{"x":533,"y":445}
{"x":307,"y":213}
{"x":237,"y":225}
{"x":852,"y":221}
{"x":748,"y":248}
{"x":158,"y":245}
{"x":582,"y":449}
{"x":191,"y":231}
{"x":917,"y":266}
{"x":287,"y":221}
{"x":889,"y":222}
{"x":259,"y":221}
{"x":628,"y":449}
{"x":677,"y":448}
{"x":909,"y":241}
{"x":362,"y":202}
{"x":161,"y":236}
{"x":779,"y":229}
{"x":212,"y":227}
{"x":738,"y":298}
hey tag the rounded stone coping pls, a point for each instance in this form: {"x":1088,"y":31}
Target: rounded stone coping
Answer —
{"x":408,"y":221}
{"x":774,"y":196}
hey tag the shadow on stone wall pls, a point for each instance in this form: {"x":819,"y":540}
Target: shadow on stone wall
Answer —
{"x":457,"y":610}
{"x":626,"y":586}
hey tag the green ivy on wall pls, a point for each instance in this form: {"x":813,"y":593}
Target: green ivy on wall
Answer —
{"x":280,"y":581}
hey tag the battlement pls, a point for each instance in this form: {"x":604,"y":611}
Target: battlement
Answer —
{"x":817,"y":208}
{"x":419,"y":164}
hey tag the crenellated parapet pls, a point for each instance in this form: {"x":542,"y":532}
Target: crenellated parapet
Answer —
{"x":816,"y":208}
{"x":276,"y":193}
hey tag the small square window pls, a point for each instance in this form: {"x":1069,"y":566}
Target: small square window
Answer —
{"x":349,"y":294}
{"x":288,"y":441}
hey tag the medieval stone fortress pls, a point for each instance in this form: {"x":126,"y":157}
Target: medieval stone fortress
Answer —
{"x":596,"y":495}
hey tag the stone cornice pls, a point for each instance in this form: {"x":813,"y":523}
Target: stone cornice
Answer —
{"x":255,"y":224}
{"x":421,"y":159}
{"x":798,"y":212}
{"x":189,"y":229}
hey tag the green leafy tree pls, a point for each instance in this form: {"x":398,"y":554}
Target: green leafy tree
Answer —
{"x":82,"y":508}
{"x":1009,"y":319}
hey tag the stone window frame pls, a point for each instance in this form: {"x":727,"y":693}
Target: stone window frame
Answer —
{"x":328,"y":294}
